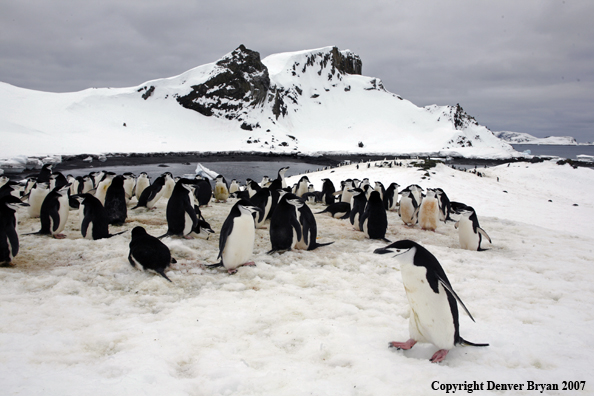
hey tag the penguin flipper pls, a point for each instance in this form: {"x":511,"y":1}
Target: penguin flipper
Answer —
{"x":117,"y":233}
{"x":297,"y":226}
{"x":85,"y":226}
{"x":161,"y":272}
{"x":479,"y":229}
{"x":449,"y":288}
{"x":316,"y":245}
{"x":13,"y":240}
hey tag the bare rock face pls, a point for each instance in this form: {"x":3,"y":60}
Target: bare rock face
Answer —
{"x":240,"y":80}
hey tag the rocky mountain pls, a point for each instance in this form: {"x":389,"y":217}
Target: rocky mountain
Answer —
{"x":312,"y":101}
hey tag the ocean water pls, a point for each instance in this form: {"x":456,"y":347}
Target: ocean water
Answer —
{"x":570,"y":152}
{"x":239,"y":170}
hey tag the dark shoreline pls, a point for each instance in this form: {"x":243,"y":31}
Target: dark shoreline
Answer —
{"x":78,"y":161}
{"x":329,"y":160}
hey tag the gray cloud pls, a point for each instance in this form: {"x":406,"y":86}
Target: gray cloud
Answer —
{"x":520,"y":66}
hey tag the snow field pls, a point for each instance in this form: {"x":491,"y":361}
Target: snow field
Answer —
{"x":78,"y":319}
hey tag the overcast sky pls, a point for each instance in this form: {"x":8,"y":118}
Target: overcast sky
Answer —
{"x":517,"y":65}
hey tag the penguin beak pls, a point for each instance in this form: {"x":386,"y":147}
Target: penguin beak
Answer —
{"x":382,"y":251}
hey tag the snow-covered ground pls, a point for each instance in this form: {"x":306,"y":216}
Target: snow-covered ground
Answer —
{"x":77,"y":319}
{"x":526,"y":138}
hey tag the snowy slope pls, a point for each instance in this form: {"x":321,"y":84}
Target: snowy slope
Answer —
{"x":76,"y":318}
{"x":309,"y":101}
{"x":525,"y":138}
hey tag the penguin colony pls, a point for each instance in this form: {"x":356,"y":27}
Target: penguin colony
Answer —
{"x":103,"y":199}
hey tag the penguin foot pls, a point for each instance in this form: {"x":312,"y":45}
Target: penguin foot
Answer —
{"x":439,"y":356}
{"x":60,"y":236}
{"x":232,"y":271}
{"x":403,"y":345}
{"x":188,"y":237}
{"x":249,"y":264}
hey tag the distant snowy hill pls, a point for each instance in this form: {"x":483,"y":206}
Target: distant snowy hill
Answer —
{"x":525,"y":138}
{"x":308,"y":102}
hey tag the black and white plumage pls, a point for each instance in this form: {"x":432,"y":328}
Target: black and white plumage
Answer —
{"x":408,"y":208}
{"x":142,"y":182}
{"x":94,"y":221}
{"x":445,"y":207}
{"x":149,"y":253}
{"x":285,"y":229}
{"x":263,"y":200}
{"x":115,"y":201}
{"x":358,"y":204}
{"x":203,"y":192}
{"x":151,"y":194}
{"x":391,"y":196}
{"x":470,"y":233}
{"x":309,"y":228}
{"x":221,"y":190}
{"x":328,"y":191}
{"x":54,"y":212}
{"x":433,"y":302}
{"x":302,"y":186}
{"x":236,"y":242}
{"x":180,"y":213}
{"x":36,"y":197}
{"x":374,"y":221}
{"x":339,"y":210}
{"x":9,"y":238}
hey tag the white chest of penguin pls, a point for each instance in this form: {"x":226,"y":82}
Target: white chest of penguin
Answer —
{"x":240,"y":243}
{"x":431,"y":317}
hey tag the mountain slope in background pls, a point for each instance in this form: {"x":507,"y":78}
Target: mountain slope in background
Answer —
{"x":525,"y":138}
{"x":307,"y":102}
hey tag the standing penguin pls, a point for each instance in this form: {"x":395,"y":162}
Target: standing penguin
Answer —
{"x":203,"y":192}
{"x":54,"y":212}
{"x":328,"y":191}
{"x":432,"y":300}
{"x":429,"y":211}
{"x":234,"y":186}
{"x":285,"y":229}
{"x":180,"y":213}
{"x":359,"y":202}
{"x":347,"y":194}
{"x":374,"y":222}
{"x":262,"y":200}
{"x":9,"y":237}
{"x":309,"y":228}
{"x":221,"y":192}
{"x":469,"y":231}
{"x":445,"y":207}
{"x":409,"y":208}
{"x":115,"y":201}
{"x":169,"y":185}
{"x":129,"y":184}
{"x":149,"y":253}
{"x":94,"y":222}
{"x":236,"y":243}
{"x":281,"y":176}
{"x":103,"y":185}
{"x":142,"y":182}
{"x":151,"y":194}
{"x":36,"y":197}
{"x":302,"y":186}
{"x":391,"y":196}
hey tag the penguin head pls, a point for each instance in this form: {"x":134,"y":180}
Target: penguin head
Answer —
{"x":138,"y":231}
{"x":12,"y":202}
{"x":405,"y":250}
{"x":246,"y":207}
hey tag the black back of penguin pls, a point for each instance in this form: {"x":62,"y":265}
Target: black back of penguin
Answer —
{"x":283,"y":225}
{"x":149,"y":252}
{"x":178,"y":207}
{"x":95,"y":219}
{"x":9,"y":239}
{"x":115,"y":201}
{"x":374,"y":220}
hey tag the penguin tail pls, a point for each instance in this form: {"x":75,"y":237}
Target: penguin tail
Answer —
{"x":162,"y":273}
{"x":317,"y":245}
{"x":220,"y":264}
{"x":164,"y":235}
{"x":468,"y":343}
{"x":40,"y":232}
{"x":117,"y":233}
{"x":323,"y":211}
{"x":386,"y":240}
